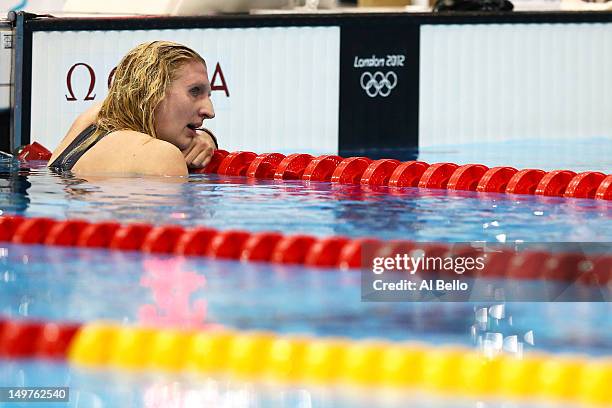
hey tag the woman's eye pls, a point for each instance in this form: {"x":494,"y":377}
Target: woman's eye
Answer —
{"x":195,"y":91}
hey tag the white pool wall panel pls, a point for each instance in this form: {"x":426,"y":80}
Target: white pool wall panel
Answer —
{"x":494,"y":82}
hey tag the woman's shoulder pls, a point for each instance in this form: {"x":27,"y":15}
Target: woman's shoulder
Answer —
{"x":153,"y":156}
{"x":131,"y":152}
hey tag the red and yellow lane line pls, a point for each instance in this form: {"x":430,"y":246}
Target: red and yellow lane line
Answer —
{"x":312,"y":360}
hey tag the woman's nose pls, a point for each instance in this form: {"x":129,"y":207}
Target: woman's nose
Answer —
{"x":206,"y":110}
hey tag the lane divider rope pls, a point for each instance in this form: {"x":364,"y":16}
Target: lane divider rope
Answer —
{"x":329,"y":252}
{"x":393,"y":173}
{"x":312,"y":360}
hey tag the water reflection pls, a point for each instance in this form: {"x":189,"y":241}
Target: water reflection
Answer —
{"x":172,"y":287}
{"x":312,"y":208}
{"x":14,"y":186}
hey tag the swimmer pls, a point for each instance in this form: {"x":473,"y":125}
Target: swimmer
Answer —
{"x":151,"y":121}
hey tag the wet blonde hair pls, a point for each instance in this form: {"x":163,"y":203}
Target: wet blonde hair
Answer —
{"x":140,"y":84}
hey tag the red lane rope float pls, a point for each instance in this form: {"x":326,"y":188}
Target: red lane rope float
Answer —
{"x":292,"y":249}
{"x":525,"y":181}
{"x":321,"y":168}
{"x":437,"y":175}
{"x":562,"y":266}
{"x":97,"y":235}
{"x":527,"y":264}
{"x":292,"y":167}
{"x":65,"y":232}
{"x":555,"y":183}
{"x":195,"y":241}
{"x":264,"y":166}
{"x":495,"y":180}
{"x":162,"y":239}
{"x":34,"y":151}
{"x":325,"y":252}
{"x":602,"y":269}
{"x":379,"y":172}
{"x":408,"y":174}
{"x":236,"y":163}
{"x":351,"y":254}
{"x":259,"y":246}
{"x":8,"y":225}
{"x":55,"y":339}
{"x":584,"y":185}
{"x":335,"y":252}
{"x":604,"y":192}
{"x":466,"y":177}
{"x":130,"y":237}
{"x":32,"y":230}
{"x":350,"y":170}
{"x":19,"y":339}
{"x":227,"y":244}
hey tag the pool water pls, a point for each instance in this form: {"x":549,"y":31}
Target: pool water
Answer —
{"x":68,"y":284}
{"x":105,"y":388}
{"x":320,"y":209}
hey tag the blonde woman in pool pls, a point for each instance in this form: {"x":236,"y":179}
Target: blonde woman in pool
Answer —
{"x":149,"y":124}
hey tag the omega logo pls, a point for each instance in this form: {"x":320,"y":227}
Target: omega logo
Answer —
{"x":92,"y":82}
{"x":217,"y":83}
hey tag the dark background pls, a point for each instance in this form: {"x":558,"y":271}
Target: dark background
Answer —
{"x":5,"y":133}
{"x":377,"y":126}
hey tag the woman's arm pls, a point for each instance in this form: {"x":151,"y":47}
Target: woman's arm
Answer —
{"x":80,"y":123}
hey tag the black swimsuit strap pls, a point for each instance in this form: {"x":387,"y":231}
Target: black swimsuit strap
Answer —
{"x":67,"y":159}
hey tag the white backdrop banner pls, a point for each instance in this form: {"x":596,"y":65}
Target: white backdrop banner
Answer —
{"x":494,"y":82}
{"x":274,"y":89}
{"x":6,"y":45}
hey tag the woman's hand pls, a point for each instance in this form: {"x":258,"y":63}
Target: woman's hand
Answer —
{"x":200,"y":150}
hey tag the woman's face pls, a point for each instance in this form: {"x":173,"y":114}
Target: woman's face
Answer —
{"x":186,"y":104}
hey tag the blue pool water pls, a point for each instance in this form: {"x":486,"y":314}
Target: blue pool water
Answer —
{"x":102,"y":388}
{"x":83,"y":285}
{"x":76,"y":285}
{"x":320,"y":209}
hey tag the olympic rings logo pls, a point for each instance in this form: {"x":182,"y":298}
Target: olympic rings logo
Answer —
{"x":378,"y":83}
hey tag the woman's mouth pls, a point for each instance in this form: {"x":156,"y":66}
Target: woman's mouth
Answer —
{"x":192,"y":128}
